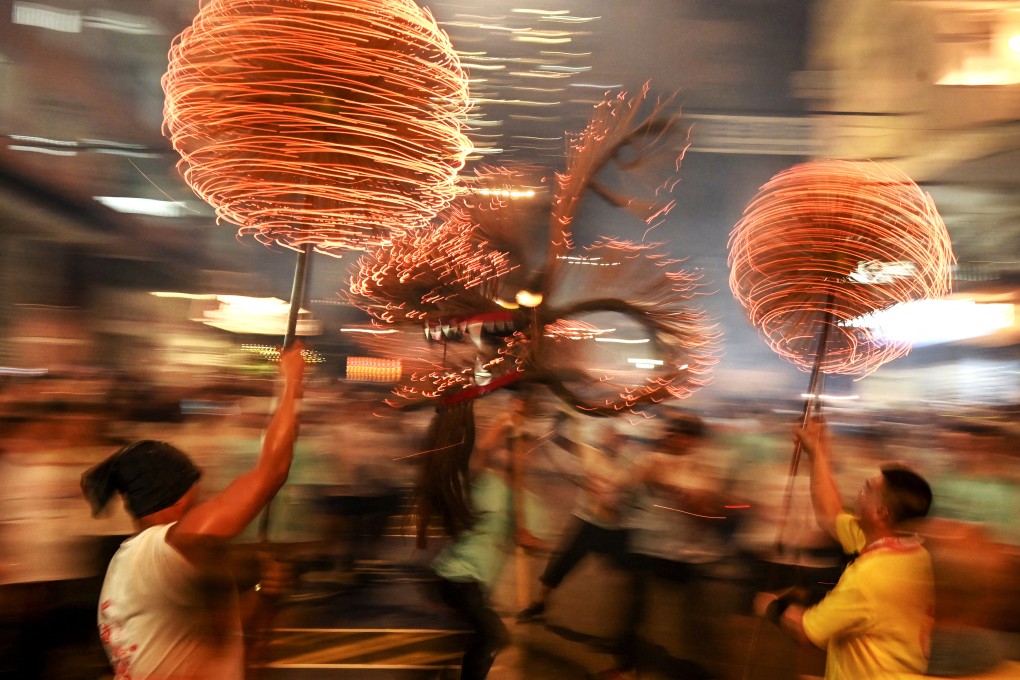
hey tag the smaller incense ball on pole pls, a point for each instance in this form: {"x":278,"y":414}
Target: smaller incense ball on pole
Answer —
{"x":324,"y":122}
{"x":827,"y":242}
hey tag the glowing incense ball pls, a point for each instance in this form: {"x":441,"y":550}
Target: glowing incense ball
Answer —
{"x":335,"y":123}
{"x":827,"y":242}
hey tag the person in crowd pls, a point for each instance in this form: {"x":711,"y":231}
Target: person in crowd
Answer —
{"x":877,"y":621}
{"x":681,"y":553}
{"x":469,"y":565}
{"x":168,"y":609}
{"x":606,"y":480}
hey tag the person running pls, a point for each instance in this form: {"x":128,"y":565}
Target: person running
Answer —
{"x":681,"y":552}
{"x":469,"y":565}
{"x":598,"y":522}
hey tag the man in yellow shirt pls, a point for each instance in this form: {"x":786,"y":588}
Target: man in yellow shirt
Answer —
{"x":877,"y":621}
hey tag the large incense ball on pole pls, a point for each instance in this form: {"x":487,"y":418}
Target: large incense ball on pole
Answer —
{"x":825,"y":243}
{"x":324,"y":122}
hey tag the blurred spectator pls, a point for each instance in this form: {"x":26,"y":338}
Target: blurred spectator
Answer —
{"x":980,"y":481}
{"x":977,"y":598}
{"x":50,"y":565}
{"x":681,"y":553}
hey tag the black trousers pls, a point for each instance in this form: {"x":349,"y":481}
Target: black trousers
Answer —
{"x":488,"y":634}
{"x":696,"y":619}
{"x":586,"y":538}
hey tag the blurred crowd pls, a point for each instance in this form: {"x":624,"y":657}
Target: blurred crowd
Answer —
{"x":356,"y":465}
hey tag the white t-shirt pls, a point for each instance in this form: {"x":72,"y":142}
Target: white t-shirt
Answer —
{"x":660,"y":527}
{"x":607,"y":486}
{"x":161,"y":618}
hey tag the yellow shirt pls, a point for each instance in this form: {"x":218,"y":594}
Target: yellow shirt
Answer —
{"x":877,"y":621}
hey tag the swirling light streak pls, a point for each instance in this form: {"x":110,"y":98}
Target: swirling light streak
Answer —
{"x":652,"y":290}
{"x":804,"y":256}
{"x":445,"y":268}
{"x":636,"y":280}
{"x":562,"y":329}
{"x":614,"y":125}
{"x":324,"y":122}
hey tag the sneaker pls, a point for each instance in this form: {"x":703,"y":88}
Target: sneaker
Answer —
{"x":533,"y":612}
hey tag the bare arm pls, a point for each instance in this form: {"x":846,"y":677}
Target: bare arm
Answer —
{"x":815,"y":441}
{"x":228,"y":513}
{"x":566,"y":460}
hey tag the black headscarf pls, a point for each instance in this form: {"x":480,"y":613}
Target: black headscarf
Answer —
{"x":150,"y":475}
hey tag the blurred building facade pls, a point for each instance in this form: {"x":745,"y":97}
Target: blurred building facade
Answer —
{"x":932,"y":86}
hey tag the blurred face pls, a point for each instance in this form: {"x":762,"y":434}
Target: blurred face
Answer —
{"x":610,"y":439}
{"x":869,"y":506}
{"x":678,"y":443}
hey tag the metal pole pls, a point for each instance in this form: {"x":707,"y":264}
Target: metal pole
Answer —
{"x":297,"y":298}
{"x":811,"y":404}
{"x":297,"y":293}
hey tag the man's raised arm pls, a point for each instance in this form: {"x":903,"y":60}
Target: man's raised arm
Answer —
{"x":815,"y":441}
{"x":229,"y":512}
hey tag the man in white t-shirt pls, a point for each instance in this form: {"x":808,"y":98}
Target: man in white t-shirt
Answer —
{"x":680,"y":553}
{"x":168,"y":609}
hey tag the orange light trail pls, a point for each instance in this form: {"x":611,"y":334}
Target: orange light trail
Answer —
{"x":445,"y":269}
{"x":826,"y":242}
{"x":615,"y":125}
{"x":324,"y":122}
{"x":574,"y":329}
{"x":456,"y":271}
{"x":653,"y":291}
{"x":692,"y":514}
